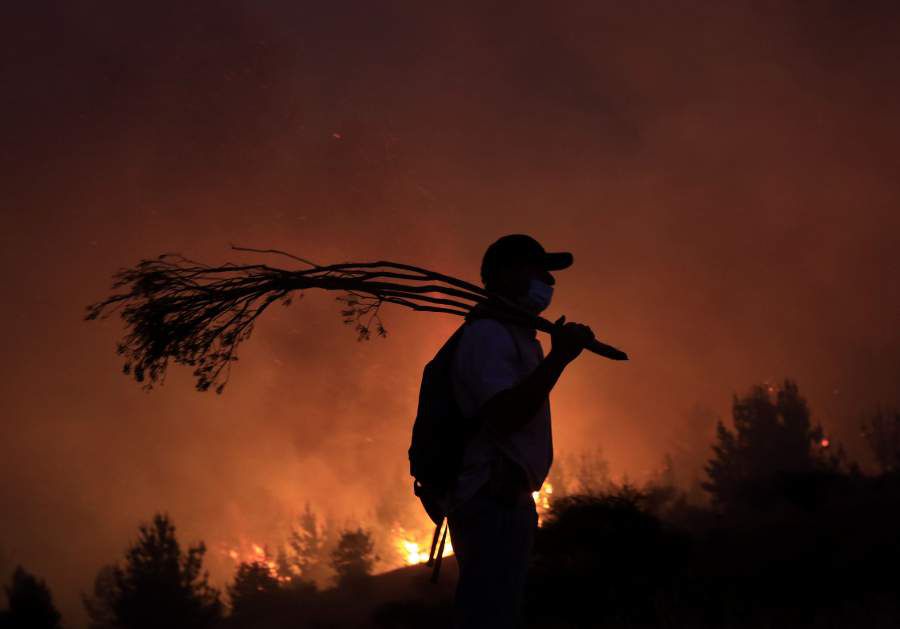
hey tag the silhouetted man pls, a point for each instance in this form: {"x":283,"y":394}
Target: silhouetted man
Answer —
{"x":500,"y":373}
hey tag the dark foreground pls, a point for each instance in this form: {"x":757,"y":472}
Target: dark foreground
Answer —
{"x":791,"y":536}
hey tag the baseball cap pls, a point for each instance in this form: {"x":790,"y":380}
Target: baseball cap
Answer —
{"x":514,"y":248}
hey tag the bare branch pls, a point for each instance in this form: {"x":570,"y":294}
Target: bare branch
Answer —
{"x":195,"y":314}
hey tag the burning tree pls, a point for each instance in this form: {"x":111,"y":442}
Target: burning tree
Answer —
{"x":303,"y":559}
{"x":307,"y":546}
{"x":195,"y":314}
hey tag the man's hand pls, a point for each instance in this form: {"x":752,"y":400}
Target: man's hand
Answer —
{"x":568,"y":339}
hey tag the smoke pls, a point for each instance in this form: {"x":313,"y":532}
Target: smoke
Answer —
{"x":724,"y":175}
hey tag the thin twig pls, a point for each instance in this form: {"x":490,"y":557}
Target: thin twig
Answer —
{"x":278,"y":251}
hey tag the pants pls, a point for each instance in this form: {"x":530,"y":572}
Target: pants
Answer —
{"x":492,"y":537}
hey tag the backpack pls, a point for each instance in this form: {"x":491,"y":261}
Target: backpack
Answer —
{"x":439,"y":437}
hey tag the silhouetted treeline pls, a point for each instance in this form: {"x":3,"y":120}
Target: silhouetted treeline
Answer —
{"x":792,"y":535}
{"x":29,"y":603}
{"x":159,"y":585}
{"x":795,"y":536}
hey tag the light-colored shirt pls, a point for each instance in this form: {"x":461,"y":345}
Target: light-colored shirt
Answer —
{"x":485,"y":363}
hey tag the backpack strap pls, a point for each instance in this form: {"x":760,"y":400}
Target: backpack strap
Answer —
{"x":436,"y":554}
{"x":434,"y":559}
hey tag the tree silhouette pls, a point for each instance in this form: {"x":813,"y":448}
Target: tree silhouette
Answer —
{"x":353,"y":558}
{"x":260,"y":599}
{"x":253,"y":592}
{"x":158,"y":586}
{"x":30,"y":603}
{"x":882,"y":433}
{"x":689,"y":446}
{"x":600,"y":558}
{"x":772,"y":443}
{"x":660,"y":492}
{"x":306,"y":546}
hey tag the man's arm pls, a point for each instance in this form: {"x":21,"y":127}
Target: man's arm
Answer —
{"x":512,"y":408}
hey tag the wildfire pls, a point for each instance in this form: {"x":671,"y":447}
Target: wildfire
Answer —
{"x":254,"y":553}
{"x":414,"y":548}
{"x":542,"y":500}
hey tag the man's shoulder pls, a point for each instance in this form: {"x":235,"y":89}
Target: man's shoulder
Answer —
{"x":485,"y":329}
{"x":486,"y":336}
{"x":486,"y":325}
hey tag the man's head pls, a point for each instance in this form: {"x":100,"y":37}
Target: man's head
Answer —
{"x":517,"y":266}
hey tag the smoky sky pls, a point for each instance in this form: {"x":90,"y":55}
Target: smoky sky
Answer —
{"x":724,"y":174}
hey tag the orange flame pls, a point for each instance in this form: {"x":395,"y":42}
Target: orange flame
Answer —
{"x":542,"y":500}
{"x":415,"y":546}
{"x":254,"y":553}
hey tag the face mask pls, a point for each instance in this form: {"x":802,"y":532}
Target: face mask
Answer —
{"x":538,"y":297}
